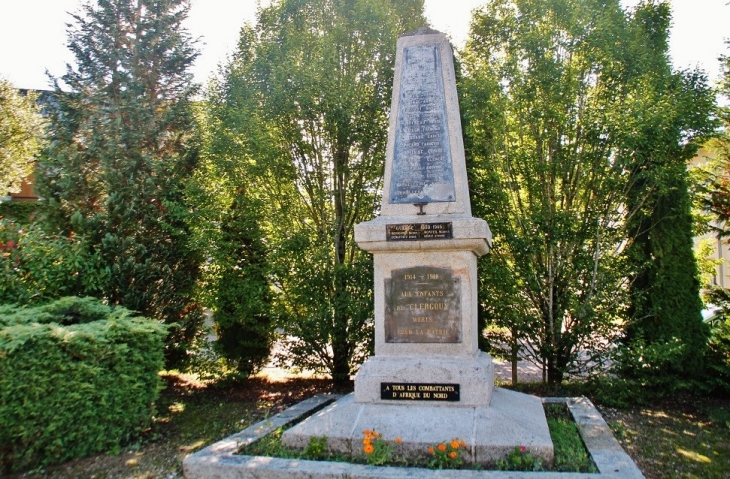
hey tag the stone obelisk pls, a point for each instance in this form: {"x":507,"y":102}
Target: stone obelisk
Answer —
{"x":428,"y":382}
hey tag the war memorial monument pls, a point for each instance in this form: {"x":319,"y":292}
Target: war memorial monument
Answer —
{"x":428,"y":382}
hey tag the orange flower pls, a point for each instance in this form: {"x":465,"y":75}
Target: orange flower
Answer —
{"x":367,"y":432}
{"x":430,"y":450}
{"x":366,"y":441}
{"x":398,"y":440}
{"x":463,"y":444}
{"x":368,"y":449}
{"x":442,"y":447}
{"x":453,"y":454}
{"x":454,"y":444}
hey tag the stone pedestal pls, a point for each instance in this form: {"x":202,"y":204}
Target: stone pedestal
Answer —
{"x":449,"y":357}
{"x":428,"y":382}
{"x":474,"y":376}
{"x":490,"y":433}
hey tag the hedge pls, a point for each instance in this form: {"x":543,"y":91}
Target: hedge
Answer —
{"x":19,"y":211}
{"x":77,"y":377}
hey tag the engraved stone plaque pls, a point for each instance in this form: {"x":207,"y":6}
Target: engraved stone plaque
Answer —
{"x":422,"y":169}
{"x":418,"y":231}
{"x":419,"y":392}
{"x":422,"y":305}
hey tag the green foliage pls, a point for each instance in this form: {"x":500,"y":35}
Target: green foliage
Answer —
{"x":654,"y":367}
{"x":36,"y":266}
{"x":570,"y":452}
{"x":376,"y":449}
{"x":316,"y":448}
{"x":705,"y":251}
{"x":242,"y":315}
{"x":123,"y":146}
{"x":446,"y":455}
{"x":22,"y":135}
{"x":76,"y":378}
{"x":544,"y":96}
{"x":298,"y":126}
{"x":619,"y":392}
{"x":519,"y":459}
{"x":665,"y":320}
{"x":22,"y":212}
{"x":269,"y":445}
{"x":578,"y":145}
{"x":717,"y":198}
{"x":717,"y":376}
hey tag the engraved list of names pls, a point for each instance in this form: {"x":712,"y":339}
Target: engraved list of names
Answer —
{"x":422,"y":171}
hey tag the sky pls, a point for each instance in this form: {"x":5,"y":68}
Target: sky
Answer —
{"x":33,"y":33}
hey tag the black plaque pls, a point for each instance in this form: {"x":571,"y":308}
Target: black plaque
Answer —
{"x":418,"y":231}
{"x":419,"y":392}
{"x":422,"y":170}
{"x":422,"y":305}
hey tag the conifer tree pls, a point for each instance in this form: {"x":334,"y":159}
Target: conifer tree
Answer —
{"x":665,"y":321}
{"x":123,"y":145}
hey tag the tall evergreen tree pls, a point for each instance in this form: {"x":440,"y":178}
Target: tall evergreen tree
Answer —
{"x":675,"y":107}
{"x":301,"y":126}
{"x":243,"y":319}
{"x":123,"y":145}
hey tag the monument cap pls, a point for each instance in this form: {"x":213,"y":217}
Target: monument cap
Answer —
{"x":425,"y":164}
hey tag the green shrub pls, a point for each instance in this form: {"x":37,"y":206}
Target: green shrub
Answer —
{"x":19,"y":211}
{"x":717,"y":376}
{"x":76,"y":378}
{"x":242,"y":316}
{"x":36,"y":266}
{"x":654,"y":370}
{"x":717,"y":371}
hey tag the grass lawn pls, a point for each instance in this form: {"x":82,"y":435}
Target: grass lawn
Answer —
{"x":686,"y":437}
{"x":683,"y":437}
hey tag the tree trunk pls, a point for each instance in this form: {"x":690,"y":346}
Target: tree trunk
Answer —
{"x":514,"y":366}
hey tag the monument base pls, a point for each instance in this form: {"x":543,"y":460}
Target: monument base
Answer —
{"x":474,"y":378}
{"x":513,"y":419}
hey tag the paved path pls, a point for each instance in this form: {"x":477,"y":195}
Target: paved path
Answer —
{"x":526,"y":371}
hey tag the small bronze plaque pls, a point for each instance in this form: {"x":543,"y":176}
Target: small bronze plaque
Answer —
{"x":418,"y":231}
{"x":419,"y":392}
{"x":422,"y":305}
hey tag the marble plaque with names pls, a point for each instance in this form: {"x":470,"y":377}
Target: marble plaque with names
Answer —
{"x":422,"y":168}
{"x":422,"y":305}
{"x":418,"y":231}
{"x":419,"y":392}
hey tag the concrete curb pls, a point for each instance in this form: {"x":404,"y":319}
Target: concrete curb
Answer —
{"x":220,"y":461}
